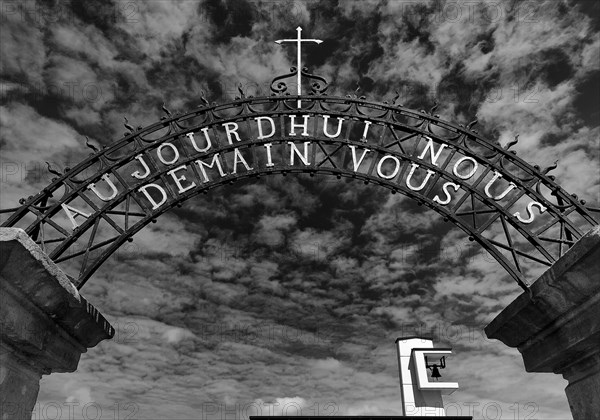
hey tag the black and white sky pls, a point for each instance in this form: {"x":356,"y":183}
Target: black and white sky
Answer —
{"x":290,"y":291}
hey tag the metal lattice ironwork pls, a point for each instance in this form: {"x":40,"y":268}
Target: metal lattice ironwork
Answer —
{"x":76,"y":225}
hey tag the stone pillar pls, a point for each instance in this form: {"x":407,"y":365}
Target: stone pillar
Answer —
{"x":557,"y":329}
{"x":45,"y":324}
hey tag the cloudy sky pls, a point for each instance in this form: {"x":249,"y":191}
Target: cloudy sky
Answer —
{"x":289,"y":292}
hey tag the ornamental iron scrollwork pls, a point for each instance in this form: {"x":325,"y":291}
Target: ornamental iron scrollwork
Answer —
{"x":514,"y":210}
{"x":89,"y":211}
{"x":319,"y":86}
{"x":278,"y":87}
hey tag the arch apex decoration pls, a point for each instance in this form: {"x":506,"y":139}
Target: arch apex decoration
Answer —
{"x":516,"y":211}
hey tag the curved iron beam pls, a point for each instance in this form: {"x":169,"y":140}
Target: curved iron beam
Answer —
{"x":396,"y":119}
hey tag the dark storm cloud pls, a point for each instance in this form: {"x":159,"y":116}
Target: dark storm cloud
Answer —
{"x":230,"y":18}
{"x":590,"y":8}
{"x":587,"y":101}
{"x":416,"y":23}
{"x":554,"y":66}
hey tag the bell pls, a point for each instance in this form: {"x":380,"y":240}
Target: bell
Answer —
{"x":435,"y":372}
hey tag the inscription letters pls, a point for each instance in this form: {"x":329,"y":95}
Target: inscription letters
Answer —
{"x":214,"y":158}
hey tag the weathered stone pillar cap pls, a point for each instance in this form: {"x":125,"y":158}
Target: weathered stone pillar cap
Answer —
{"x":25,"y":268}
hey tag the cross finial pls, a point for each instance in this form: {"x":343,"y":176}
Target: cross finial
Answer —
{"x":299,"y":40}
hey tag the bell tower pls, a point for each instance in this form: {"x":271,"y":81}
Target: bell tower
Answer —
{"x":420,"y":396}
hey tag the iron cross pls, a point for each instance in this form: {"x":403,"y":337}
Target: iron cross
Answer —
{"x":299,"y":40}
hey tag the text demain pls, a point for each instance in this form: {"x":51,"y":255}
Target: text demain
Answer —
{"x":270,"y":143}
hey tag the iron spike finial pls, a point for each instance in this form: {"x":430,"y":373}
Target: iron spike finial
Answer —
{"x":434,"y":107}
{"x":90,"y":145}
{"x":472,"y":124}
{"x":356,"y":92}
{"x":241,"y":91}
{"x":396,"y":97}
{"x":512,"y":143}
{"x":551,"y":167}
{"x":127,"y":125}
{"x":203,"y":99}
{"x":52,"y":170}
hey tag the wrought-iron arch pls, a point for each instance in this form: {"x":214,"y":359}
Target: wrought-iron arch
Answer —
{"x":393,"y":137}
